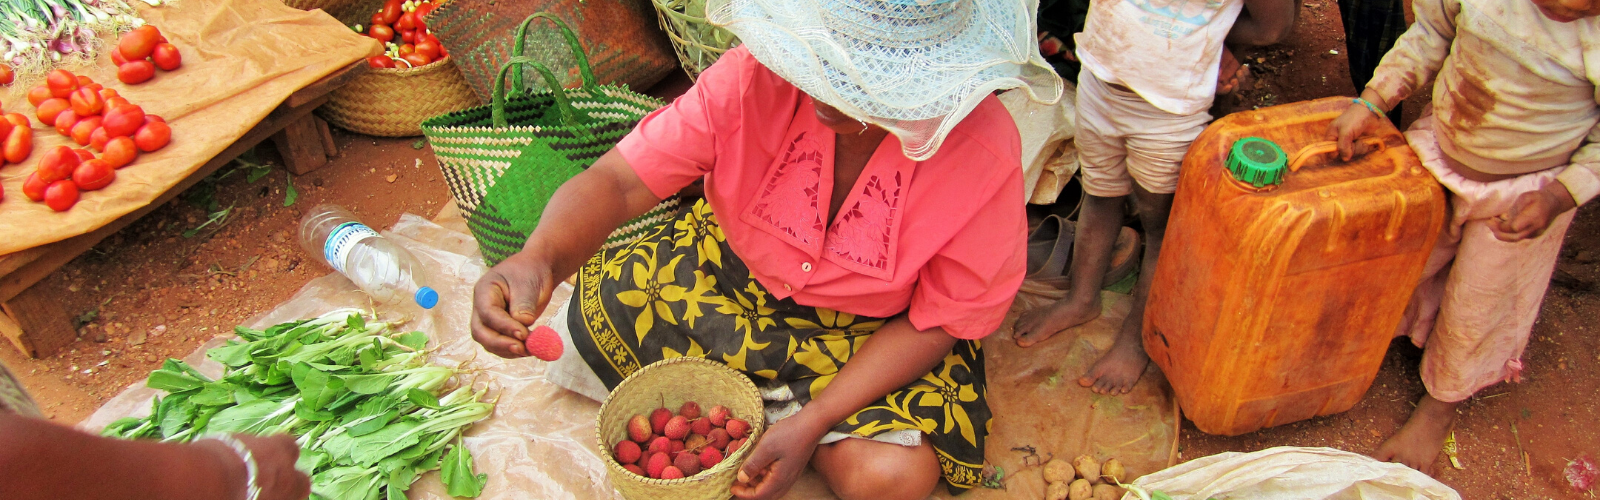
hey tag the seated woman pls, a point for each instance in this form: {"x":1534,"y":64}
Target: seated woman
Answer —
{"x":862,"y":228}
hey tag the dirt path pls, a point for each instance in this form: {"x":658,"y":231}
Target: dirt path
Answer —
{"x":157,"y":293}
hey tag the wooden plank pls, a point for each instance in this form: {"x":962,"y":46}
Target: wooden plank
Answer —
{"x":300,"y":144}
{"x":54,"y":255}
{"x":42,"y":326}
{"x":327,"y":84}
{"x":326,"y":133}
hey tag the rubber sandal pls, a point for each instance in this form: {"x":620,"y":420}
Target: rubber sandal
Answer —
{"x":1049,"y":252}
{"x":1125,"y":256}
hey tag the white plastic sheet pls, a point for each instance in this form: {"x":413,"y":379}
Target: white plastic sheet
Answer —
{"x":1291,"y":473}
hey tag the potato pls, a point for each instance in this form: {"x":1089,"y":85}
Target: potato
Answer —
{"x":1113,"y":472}
{"x":1058,"y":471}
{"x":1056,"y":491}
{"x":1088,"y":468}
{"x":1080,"y":490}
{"x":1107,"y":492}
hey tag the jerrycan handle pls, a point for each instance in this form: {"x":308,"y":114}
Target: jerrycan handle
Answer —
{"x":1326,"y":147}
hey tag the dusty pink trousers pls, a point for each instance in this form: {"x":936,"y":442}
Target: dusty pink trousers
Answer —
{"x":1479,"y":296}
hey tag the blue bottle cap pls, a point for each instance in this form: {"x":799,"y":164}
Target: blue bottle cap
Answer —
{"x":427,"y":297}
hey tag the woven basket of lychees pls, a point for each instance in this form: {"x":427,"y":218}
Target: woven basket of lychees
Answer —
{"x":679,"y":429}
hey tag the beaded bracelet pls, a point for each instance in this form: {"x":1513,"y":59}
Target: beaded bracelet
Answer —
{"x":252,"y":490}
{"x":1370,"y":106}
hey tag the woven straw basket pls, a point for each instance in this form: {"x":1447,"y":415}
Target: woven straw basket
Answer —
{"x":671,"y":382}
{"x":393,"y":102}
{"x":346,"y":11}
{"x":696,"y":41}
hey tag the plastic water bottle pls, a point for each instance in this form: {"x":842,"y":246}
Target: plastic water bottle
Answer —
{"x":384,"y":270}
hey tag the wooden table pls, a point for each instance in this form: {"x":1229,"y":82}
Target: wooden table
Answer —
{"x":38,"y":325}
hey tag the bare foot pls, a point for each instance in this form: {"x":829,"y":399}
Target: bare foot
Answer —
{"x":1418,"y":443}
{"x":1119,"y":368}
{"x":1038,"y":325}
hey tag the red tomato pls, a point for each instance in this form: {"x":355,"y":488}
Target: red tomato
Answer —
{"x":48,"y":110}
{"x":65,"y":121}
{"x":62,"y":79}
{"x":137,"y":44}
{"x":422,"y":11}
{"x":18,"y":119}
{"x":422,"y":26}
{"x":406,"y":22}
{"x":39,"y":94}
{"x":408,"y":36}
{"x":83,"y":154}
{"x":61,"y":195}
{"x":87,"y":102}
{"x":84,"y":80}
{"x":153,"y":136}
{"x":136,"y":72}
{"x":34,"y":188}
{"x":166,"y":57}
{"x":381,"y":33}
{"x":93,"y":174}
{"x":98,"y":139}
{"x":19,"y":144}
{"x":107,"y":94}
{"x":116,"y":102}
{"x":407,"y":49}
{"x":95,"y":86}
{"x":429,"y":49}
{"x":6,"y":75}
{"x":417,"y":60}
{"x":391,"y":11}
{"x":57,"y":164}
{"x":153,"y":118}
{"x":84,"y":130}
{"x":377,"y":18}
{"x":5,"y":131}
{"x":380,"y":62}
{"x":120,"y":152}
{"x":116,"y":57}
{"x":123,"y":120}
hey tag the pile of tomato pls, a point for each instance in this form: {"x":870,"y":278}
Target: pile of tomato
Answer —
{"x":140,"y":52}
{"x":93,"y":116}
{"x":405,"y":36}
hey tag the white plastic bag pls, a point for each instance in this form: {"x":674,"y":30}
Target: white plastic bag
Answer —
{"x":1291,"y":473}
{"x":1049,"y":157}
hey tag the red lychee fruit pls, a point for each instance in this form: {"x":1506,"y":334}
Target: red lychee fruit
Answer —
{"x":671,"y":473}
{"x":688,"y":463}
{"x":628,"y":452}
{"x":737,"y":428}
{"x":677,"y":428}
{"x":660,"y":445}
{"x":701,"y":426}
{"x":690,"y":410}
{"x":634,"y":469}
{"x":658,"y":420}
{"x":709,"y":458}
{"x":639,"y":429}
{"x":658,"y":462}
{"x":719,"y":438}
{"x":719,"y":415}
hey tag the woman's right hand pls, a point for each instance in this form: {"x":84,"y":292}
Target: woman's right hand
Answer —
{"x":507,"y":300}
{"x":1355,"y":122}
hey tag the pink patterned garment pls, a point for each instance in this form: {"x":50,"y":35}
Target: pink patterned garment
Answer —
{"x":942,"y":240}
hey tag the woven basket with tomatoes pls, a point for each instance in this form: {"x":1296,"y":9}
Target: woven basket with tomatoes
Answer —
{"x":412,"y":81}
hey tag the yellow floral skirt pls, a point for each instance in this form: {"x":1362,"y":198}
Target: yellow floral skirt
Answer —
{"x":681,"y":291}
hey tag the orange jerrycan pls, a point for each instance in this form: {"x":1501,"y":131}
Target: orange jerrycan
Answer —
{"x":1285,"y":271}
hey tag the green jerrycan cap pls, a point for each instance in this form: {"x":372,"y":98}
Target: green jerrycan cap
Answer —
{"x":1257,"y":161}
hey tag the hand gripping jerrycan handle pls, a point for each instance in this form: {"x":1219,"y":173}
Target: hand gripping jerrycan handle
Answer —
{"x":1362,"y":147}
{"x":1261,"y":163}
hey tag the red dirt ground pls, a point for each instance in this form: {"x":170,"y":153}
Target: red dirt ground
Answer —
{"x":149,"y":278}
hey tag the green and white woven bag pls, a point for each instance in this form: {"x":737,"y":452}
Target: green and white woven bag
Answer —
{"x":504,"y":161}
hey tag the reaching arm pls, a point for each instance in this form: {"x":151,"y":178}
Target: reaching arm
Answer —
{"x":1263,"y":22}
{"x":890,"y":359}
{"x":574,"y":225}
{"x":41,"y":460}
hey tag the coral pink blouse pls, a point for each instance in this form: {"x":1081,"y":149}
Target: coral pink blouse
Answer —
{"x":943,"y":240}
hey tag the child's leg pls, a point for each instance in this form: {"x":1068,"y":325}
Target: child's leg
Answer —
{"x":1154,"y":161}
{"x":1489,"y":301}
{"x":1103,"y":165}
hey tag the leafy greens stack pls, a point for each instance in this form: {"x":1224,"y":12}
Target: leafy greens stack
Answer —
{"x":362,"y":400}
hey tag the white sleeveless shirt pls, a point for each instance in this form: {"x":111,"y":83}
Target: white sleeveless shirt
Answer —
{"x":1167,"y":51}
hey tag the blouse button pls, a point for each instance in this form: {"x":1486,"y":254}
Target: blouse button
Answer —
{"x":805,"y":266}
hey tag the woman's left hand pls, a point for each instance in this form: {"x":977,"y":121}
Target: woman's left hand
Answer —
{"x":778,"y":458}
{"x":1532,"y":213}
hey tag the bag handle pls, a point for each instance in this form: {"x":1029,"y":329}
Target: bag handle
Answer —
{"x":497,"y":104}
{"x":589,"y":81}
{"x":1325,"y":147}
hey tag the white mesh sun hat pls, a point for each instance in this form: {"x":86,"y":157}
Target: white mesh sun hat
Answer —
{"x":913,"y":67}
